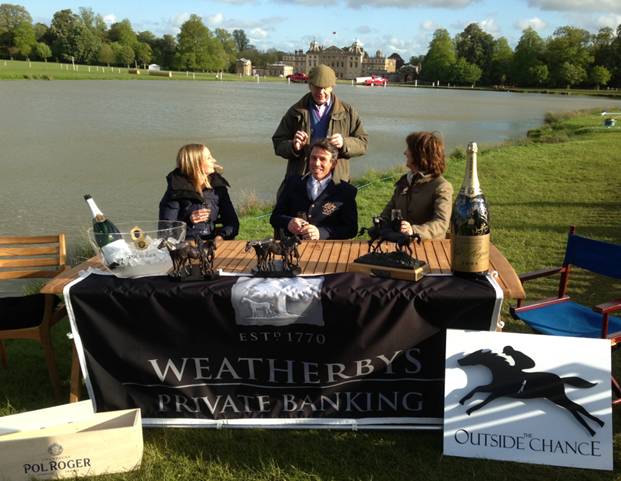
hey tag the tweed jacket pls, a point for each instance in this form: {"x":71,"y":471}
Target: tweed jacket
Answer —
{"x":344,"y":120}
{"x":334,"y":212}
{"x":426,"y":204}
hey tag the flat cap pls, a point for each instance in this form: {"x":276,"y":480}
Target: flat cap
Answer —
{"x":322,"y":76}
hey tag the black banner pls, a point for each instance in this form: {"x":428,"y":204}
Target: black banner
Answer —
{"x":320,"y":349}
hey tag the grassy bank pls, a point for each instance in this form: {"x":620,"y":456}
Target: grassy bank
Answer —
{"x":19,"y":70}
{"x":568,"y":173}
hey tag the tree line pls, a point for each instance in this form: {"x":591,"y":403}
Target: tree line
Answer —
{"x":570,"y":57}
{"x":85,"y":38}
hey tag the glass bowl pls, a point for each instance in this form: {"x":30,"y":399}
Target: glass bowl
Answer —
{"x":139,"y":249}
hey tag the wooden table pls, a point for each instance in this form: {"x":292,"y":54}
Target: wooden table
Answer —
{"x":327,"y":257}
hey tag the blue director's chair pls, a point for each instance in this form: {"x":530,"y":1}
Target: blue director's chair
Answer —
{"x":560,"y":316}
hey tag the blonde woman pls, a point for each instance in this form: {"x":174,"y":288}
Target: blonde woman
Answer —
{"x":197,"y":194}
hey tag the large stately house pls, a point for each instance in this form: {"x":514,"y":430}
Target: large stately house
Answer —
{"x":348,"y":62}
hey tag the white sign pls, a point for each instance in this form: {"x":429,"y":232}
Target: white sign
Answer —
{"x":528,"y":398}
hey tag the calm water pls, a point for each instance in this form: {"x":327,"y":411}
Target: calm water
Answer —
{"x":117,"y":140}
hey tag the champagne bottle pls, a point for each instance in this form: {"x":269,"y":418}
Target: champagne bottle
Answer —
{"x":107,"y":236}
{"x":470,"y":223}
{"x":104,"y":230}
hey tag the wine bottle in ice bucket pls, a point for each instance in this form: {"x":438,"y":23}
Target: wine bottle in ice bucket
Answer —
{"x":470,"y":223}
{"x":106,"y":234}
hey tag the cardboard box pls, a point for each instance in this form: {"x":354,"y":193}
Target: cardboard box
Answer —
{"x":69,"y":441}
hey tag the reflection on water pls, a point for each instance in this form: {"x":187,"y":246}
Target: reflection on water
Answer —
{"x":117,"y":139}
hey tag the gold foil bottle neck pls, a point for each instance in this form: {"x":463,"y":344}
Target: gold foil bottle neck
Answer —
{"x":470,"y":186}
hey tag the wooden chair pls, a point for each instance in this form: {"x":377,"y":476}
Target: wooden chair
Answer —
{"x":560,"y":316}
{"x":32,"y":316}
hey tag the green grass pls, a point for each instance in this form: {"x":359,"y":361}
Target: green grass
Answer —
{"x":536,"y":189}
{"x":20,"y":69}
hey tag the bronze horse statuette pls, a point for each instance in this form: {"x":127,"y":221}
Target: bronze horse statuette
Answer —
{"x":382,"y":232}
{"x":266,"y":250}
{"x":183,"y":253}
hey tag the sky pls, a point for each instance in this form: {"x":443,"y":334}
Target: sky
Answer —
{"x":392,"y":26}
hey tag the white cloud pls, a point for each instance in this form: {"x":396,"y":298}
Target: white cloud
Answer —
{"x":611,"y":20}
{"x":363,"y":29}
{"x":411,"y":3}
{"x":387,"y":3}
{"x":490,"y":26}
{"x":580,"y":5}
{"x":535,"y":23}
{"x":109,"y":19}
{"x":237,"y":2}
{"x":267,"y":23}
{"x":173,"y":24}
{"x":216,"y":19}
{"x":257,"y":34}
{"x":428,"y":25}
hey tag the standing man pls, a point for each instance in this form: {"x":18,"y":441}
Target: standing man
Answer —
{"x":317,"y":115}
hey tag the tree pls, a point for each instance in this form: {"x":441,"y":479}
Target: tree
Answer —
{"x":440,"y":58}
{"x":61,"y":33}
{"x":501,"y":61}
{"x":143,"y":53}
{"x":568,"y":45}
{"x":600,"y":76}
{"x":529,"y":53}
{"x":229,"y":45}
{"x":42,"y":51}
{"x":571,"y":74}
{"x":539,"y":74}
{"x":164,"y":51}
{"x":241,"y":40}
{"x":476,"y":47}
{"x":24,"y":39}
{"x":40,"y":31}
{"x":197,"y":48}
{"x":124,"y":54}
{"x":11,"y":17}
{"x":106,"y":54}
{"x":464,"y":72}
{"x":123,"y":33}
{"x":93,"y":21}
{"x":399,"y":62}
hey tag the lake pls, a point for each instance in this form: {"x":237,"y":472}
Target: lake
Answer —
{"x":118,"y":139}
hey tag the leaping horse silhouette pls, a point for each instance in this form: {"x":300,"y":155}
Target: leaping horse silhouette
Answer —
{"x":512,"y":381}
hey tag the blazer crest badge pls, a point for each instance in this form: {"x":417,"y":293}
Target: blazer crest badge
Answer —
{"x":328,"y":208}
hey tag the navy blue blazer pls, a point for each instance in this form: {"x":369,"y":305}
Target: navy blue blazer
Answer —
{"x":334,"y":212}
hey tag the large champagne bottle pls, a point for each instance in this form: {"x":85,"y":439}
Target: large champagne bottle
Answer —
{"x":470,"y":223}
{"x":106,"y":235}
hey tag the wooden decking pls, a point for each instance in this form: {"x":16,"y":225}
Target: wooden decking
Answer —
{"x":327,"y":257}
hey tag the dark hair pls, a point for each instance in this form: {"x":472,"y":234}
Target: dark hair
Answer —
{"x":427,"y":149}
{"x":326,"y":145}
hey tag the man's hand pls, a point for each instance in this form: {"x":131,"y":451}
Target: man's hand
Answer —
{"x":310,"y":232}
{"x":300,"y":139}
{"x":336,"y":140}
{"x":296,"y":225}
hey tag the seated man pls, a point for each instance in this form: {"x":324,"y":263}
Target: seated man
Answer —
{"x":315,"y":206}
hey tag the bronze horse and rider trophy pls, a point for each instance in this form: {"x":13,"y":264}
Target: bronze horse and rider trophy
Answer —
{"x":399,"y":264}
{"x":287,"y":248}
